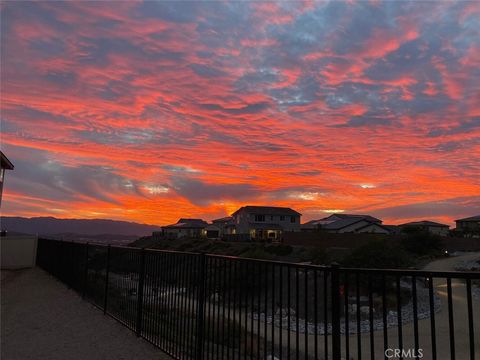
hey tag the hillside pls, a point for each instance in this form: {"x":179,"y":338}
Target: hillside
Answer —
{"x":86,"y":227}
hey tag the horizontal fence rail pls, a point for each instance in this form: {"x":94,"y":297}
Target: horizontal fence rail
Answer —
{"x":197,"y":306}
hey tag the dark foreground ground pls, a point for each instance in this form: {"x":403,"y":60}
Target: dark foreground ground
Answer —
{"x":43,"y":320}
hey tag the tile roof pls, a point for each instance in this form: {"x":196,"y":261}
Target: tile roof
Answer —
{"x":340,"y":224}
{"x":4,"y":162}
{"x":268,"y":210}
{"x":184,"y":223}
{"x":349,"y":216}
{"x":424,"y":223}
{"x":224,"y":219}
{"x":471,"y":218}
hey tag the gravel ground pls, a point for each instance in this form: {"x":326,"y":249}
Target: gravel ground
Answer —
{"x":43,"y":320}
{"x":423,"y":312}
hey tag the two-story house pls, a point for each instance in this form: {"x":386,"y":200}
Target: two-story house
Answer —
{"x":469,"y":227}
{"x":426,"y":225}
{"x":265,"y":222}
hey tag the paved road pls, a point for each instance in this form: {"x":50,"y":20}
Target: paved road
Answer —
{"x":43,"y":320}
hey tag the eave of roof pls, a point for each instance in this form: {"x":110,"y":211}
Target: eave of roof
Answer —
{"x":424,"y":223}
{"x":471,"y":218}
{"x":340,"y":224}
{"x":268,"y":210}
{"x":5,"y":163}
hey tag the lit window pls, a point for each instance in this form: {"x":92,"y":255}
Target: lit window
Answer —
{"x":292,"y":219}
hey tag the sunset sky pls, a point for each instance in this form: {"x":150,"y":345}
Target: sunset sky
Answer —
{"x":151,"y":111}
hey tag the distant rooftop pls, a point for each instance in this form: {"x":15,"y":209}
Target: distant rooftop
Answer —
{"x":5,"y":163}
{"x":224,"y":219}
{"x":471,"y":218}
{"x":186,"y":223}
{"x":268,"y":210}
{"x":354,"y":216}
{"x":424,"y":223}
{"x":340,"y":224}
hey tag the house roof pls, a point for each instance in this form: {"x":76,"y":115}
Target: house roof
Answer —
{"x":471,"y":218}
{"x":424,"y":223}
{"x":184,"y":223}
{"x":268,"y":210}
{"x":4,"y":162}
{"x":340,"y":224}
{"x":224,"y":219}
{"x":374,"y":224}
{"x":312,"y":224}
{"x":354,"y":216}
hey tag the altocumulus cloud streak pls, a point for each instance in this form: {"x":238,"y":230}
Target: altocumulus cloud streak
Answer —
{"x":149,"y":111}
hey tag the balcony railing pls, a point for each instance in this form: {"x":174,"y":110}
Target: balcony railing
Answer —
{"x":197,"y":306}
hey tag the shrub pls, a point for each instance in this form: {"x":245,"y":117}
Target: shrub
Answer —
{"x":421,"y":242}
{"x":318,"y":256}
{"x":378,"y":254}
{"x":280,"y":249}
{"x":258,"y":253}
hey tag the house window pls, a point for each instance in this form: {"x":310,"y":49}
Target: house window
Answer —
{"x":271,"y":217}
{"x":282,"y":218}
{"x":259,"y":218}
{"x":292,"y":219}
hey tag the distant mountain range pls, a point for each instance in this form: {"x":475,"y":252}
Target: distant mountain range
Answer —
{"x":83,"y":229}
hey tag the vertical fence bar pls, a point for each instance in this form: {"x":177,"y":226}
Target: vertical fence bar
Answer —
{"x":450,"y":319}
{"x":107,"y":271}
{"x":336,"y":351}
{"x":432,"y":318}
{"x":384,"y":316}
{"x":359,"y":329}
{"x":201,"y":307}
{"x":141,"y":279}
{"x":315,"y":307}
{"x":347,"y":320}
{"x":470,"y":319}
{"x":325,"y":312}
{"x":85,"y":274}
{"x":370,"y":317}
{"x":399,"y":315}
{"x":415,"y":315}
{"x":297,"y":314}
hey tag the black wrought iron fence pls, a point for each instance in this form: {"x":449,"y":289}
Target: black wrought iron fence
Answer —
{"x":196,"y":306}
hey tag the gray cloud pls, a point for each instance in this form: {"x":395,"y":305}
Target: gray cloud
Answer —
{"x":462,"y":206}
{"x":202,"y":193}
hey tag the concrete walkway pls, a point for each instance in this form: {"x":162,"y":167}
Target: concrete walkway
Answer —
{"x":43,"y":320}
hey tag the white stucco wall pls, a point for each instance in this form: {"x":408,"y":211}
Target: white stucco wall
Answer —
{"x":18,"y":251}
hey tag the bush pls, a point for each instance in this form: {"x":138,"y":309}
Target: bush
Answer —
{"x":258,"y":253}
{"x":378,"y":254}
{"x":422,"y":242}
{"x":280,"y":250}
{"x":318,"y":256}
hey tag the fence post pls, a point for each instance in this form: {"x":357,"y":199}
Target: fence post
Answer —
{"x":200,"y":331}
{"x":141,"y":278}
{"x":107,"y":271}
{"x":336,"y":351}
{"x":85,"y":275}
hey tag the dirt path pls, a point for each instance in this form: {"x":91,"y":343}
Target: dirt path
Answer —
{"x":43,"y":320}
